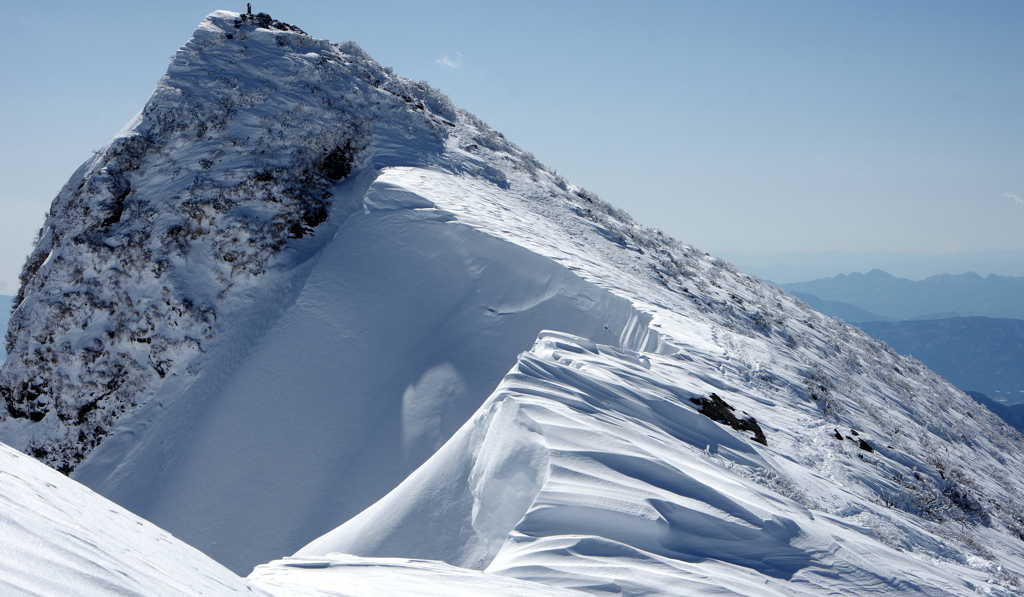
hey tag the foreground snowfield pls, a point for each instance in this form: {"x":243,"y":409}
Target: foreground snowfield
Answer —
{"x":303,"y":306}
{"x":61,"y":539}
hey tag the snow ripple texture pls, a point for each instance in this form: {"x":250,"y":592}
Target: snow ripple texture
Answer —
{"x":293,"y":303}
{"x":616,"y":485}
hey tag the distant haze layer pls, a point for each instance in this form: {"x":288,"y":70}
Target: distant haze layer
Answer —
{"x":797,"y":266}
{"x":938,"y":296}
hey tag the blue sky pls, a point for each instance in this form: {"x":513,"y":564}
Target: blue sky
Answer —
{"x":754,"y":127}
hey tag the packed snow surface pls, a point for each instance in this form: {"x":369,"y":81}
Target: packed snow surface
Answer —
{"x":404,"y":325}
{"x":300,"y":301}
{"x":341,"y":575}
{"x":61,"y":539}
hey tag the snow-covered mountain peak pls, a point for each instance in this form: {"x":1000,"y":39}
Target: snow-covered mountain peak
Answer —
{"x":223,"y":21}
{"x":228,"y":177}
{"x":300,"y":300}
{"x":218,"y":184}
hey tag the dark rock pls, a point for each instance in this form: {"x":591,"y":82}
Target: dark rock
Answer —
{"x":716,"y":409}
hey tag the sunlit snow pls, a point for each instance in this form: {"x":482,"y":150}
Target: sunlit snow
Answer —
{"x":311,"y":318}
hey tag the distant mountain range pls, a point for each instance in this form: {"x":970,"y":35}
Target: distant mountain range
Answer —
{"x":925,"y":319}
{"x":892,"y":298}
{"x":845,"y":311}
{"x":796,"y":266}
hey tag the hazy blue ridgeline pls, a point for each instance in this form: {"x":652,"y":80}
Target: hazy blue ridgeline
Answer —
{"x":1012,"y":414}
{"x":980,"y":354}
{"x":845,"y":311}
{"x":799,"y":266}
{"x":900,"y":299}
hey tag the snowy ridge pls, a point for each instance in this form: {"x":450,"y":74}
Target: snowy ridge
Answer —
{"x":741,"y":337}
{"x":439,"y":330}
{"x":590,"y":468}
{"x":281,"y":309}
{"x":192,"y":213}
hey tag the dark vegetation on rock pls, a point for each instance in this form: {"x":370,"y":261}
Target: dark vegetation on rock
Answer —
{"x":87,"y":334}
{"x":264,"y":21}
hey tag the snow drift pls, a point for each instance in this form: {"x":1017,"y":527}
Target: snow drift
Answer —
{"x":590,"y":468}
{"x":300,"y":300}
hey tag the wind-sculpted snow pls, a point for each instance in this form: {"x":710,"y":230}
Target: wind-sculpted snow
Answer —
{"x":402,"y":328}
{"x":283,"y":299}
{"x":610,"y":481}
{"x":341,"y":575}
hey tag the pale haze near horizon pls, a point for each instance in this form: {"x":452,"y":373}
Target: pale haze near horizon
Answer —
{"x":740,"y":127}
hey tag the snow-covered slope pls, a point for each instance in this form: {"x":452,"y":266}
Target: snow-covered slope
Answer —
{"x":59,"y":538}
{"x":590,"y":468}
{"x":290,"y":294}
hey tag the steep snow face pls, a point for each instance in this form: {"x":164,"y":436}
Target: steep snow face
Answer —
{"x":295,"y":276}
{"x":404,"y":325}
